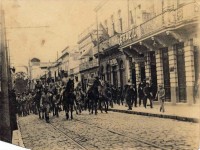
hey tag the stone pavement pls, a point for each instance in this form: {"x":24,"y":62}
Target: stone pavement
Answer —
{"x":112,"y":131}
{"x":182,"y":112}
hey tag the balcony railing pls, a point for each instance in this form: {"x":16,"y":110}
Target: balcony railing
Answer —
{"x":112,"y":41}
{"x":169,"y":18}
{"x":88,"y":65}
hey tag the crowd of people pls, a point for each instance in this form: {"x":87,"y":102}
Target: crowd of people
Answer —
{"x":99,"y":95}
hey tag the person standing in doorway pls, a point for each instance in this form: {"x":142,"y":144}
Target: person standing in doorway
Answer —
{"x":140,"y":92}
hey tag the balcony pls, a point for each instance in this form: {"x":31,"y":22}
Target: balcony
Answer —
{"x":170,"y":18}
{"x":112,"y":41}
{"x":88,"y":65}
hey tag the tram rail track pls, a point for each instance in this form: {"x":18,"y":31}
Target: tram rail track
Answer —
{"x":108,"y":130}
{"x":71,"y":139}
{"x":121,"y":134}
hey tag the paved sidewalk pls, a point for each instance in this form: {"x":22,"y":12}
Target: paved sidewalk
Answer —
{"x":17,"y":137}
{"x":182,"y":112}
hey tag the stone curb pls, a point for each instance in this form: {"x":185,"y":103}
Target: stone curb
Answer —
{"x":180,"y":118}
{"x":17,"y":140}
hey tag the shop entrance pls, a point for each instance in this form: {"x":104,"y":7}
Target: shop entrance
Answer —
{"x":142,"y":71}
{"x":108,"y":71}
{"x":153,"y":72}
{"x":133,"y":73}
{"x":115,"y":79}
{"x":121,"y":70}
{"x":166,"y":74}
{"x":181,"y":72}
{"x":142,"y":67}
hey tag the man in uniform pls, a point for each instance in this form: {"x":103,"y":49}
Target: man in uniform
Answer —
{"x":45,"y":104}
{"x":96,"y":85}
{"x":38,"y":91}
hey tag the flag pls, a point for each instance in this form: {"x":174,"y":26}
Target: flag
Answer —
{"x":104,"y":36}
{"x":94,"y":41}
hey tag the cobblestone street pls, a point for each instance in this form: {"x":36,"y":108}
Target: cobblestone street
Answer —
{"x":108,"y":131}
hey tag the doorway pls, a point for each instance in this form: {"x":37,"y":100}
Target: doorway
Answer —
{"x":166,"y":74}
{"x":153,"y":72}
{"x":181,"y":72}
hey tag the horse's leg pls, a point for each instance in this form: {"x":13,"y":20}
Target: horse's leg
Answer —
{"x":56,"y":111}
{"x":95,"y":105}
{"x":43,"y":113}
{"x":106,"y":105}
{"x":71,"y":110}
{"x":75,"y":107}
{"x":39,"y":111}
{"x":67,"y":111}
{"x":100,"y":104}
{"x":92,"y":105}
{"x":80,"y":108}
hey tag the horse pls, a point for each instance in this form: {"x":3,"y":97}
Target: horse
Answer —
{"x":69,"y":98}
{"x":93,"y":96}
{"x":104,"y":96}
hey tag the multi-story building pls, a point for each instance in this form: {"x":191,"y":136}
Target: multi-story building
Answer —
{"x":60,"y":67}
{"x":74,"y":62}
{"x":154,"y":41}
{"x":114,"y":66}
{"x":88,"y":63}
{"x":163,"y":50}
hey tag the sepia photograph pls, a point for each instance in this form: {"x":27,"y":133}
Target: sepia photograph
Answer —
{"x":99,"y":74}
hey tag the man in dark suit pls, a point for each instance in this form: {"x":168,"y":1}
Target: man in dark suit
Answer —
{"x":147,"y":95}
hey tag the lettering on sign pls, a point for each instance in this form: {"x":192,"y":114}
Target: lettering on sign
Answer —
{"x":127,"y":36}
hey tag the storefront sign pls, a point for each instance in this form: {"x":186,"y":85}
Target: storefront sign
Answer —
{"x":127,"y":36}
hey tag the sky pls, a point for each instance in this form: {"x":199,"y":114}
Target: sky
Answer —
{"x":65,"y":20}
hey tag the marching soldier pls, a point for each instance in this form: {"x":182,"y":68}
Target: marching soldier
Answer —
{"x":45,"y":104}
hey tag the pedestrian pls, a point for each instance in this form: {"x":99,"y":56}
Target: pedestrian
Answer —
{"x":147,"y":95}
{"x":134,"y":95}
{"x":129,"y":95}
{"x":161,"y":97}
{"x":140,"y":92}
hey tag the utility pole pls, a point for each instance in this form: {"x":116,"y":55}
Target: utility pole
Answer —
{"x":97,"y":24}
{"x":5,"y":123}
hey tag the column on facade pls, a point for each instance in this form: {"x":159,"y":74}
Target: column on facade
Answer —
{"x":173,"y":74}
{"x":111,"y":74}
{"x":127,"y":70}
{"x":118,"y":75}
{"x":137,"y":72}
{"x":147,"y":67}
{"x":159,"y":67}
{"x":189,"y":70}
